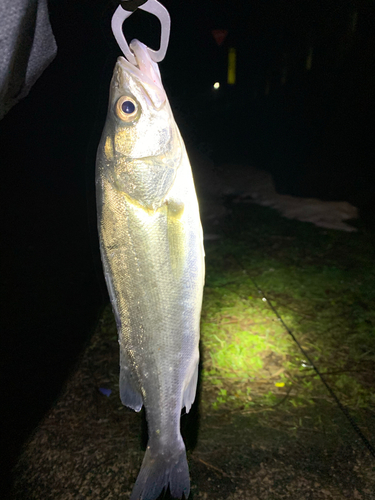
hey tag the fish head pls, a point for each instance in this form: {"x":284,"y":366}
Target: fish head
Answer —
{"x":141,"y":144}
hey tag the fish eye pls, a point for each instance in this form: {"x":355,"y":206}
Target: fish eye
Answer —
{"x":126,"y":109}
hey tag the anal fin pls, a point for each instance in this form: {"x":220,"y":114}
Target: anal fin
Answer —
{"x":129,"y":392}
{"x":190,"y":390}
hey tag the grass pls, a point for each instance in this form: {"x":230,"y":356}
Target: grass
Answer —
{"x":321,"y":283}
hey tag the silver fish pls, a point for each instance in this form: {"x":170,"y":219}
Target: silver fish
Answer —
{"x":151,"y":246}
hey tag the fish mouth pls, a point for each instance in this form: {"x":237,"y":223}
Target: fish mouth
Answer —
{"x":146,"y":72}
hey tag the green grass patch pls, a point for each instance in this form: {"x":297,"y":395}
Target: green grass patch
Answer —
{"x":322,"y":284}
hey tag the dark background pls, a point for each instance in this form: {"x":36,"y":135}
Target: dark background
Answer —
{"x":313,"y":129}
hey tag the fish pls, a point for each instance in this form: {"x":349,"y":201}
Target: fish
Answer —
{"x":151,"y":244}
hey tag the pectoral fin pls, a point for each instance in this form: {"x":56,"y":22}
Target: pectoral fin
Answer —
{"x":129,"y":391}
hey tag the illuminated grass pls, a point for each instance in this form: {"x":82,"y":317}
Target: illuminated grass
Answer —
{"x":321,"y":282}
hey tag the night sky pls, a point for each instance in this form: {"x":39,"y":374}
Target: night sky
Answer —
{"x":312,"y":128}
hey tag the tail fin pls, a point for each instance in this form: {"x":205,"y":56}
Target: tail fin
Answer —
{"x":160,"y":470}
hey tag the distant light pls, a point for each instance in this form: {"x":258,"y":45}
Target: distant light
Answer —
{"x":216,"y":85}
{"x":231,"y":66}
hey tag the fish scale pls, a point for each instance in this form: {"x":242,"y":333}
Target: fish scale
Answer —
{"x":151,"y":246}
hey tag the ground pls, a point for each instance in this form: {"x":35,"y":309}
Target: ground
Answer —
{"x":275,"y":436}
{"x":91,"y":447}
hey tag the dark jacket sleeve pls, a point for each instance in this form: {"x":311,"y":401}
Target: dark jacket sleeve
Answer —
{"x":27,"y":46}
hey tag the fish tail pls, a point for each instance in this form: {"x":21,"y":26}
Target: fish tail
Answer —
{"x":160,"y":470}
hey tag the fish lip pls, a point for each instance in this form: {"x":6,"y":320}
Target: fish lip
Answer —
{"x":122,"y":61}
{"x":141,"y":76}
